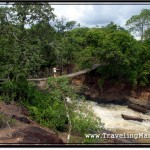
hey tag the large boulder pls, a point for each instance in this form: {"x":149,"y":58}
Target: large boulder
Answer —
{"x":140,"y":105}
{"x":29,"y":135}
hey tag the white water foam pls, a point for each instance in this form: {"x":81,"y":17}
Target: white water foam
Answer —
{"x":110,"y":115}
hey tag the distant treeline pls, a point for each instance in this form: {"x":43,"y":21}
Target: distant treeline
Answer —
{"x":29,"y":43}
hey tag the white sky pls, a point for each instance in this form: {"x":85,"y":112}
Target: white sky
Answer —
{"x":92,"y":15}
{"x":99,"y":13}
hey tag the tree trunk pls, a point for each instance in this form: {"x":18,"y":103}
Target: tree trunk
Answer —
{"x":142,"y":31}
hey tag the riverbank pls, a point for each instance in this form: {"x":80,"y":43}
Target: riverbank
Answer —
{"x":23,"y":130}
{"x":109,"y":114}
{"x":110,"y":103}
{"x":137,"y":99}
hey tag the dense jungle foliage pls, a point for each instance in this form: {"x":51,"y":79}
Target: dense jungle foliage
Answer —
{"x":32,"y":38}
{"x":30,"y":42}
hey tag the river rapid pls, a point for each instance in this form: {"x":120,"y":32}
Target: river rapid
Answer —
{"x":110,"y":115}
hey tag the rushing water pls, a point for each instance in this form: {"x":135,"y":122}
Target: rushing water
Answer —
{"x":111,"y":116}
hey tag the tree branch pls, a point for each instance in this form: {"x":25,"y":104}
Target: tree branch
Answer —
{"x":69,"y":120}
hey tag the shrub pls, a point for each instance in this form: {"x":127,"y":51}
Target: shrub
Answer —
{"x":15,"y":89}
{"x":6,"y":121}
{"x":84,"y":120}
{"x":50,"y":109}
{"x":47,"y":108}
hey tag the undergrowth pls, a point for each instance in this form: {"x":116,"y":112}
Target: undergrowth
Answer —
{"x":51,"y":109}
{"x":6,"y":122}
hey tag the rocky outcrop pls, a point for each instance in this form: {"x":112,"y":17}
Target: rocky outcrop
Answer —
{"x":29,"y":135}
{"x":139,"y":108}
{"x":42,"y":85}
{"x":23,"y":119}
{"x":24,"y":130}
{"x":107,"y":99}
{"x":137,"y":99}
{"x":140,"y":105}
{"x":118,"y":98}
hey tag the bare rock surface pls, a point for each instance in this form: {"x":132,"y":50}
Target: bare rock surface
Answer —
{"x":25,"y":130}
{"x":29,"y":134}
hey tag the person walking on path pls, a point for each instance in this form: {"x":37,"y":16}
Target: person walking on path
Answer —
{"x":55,"y":72}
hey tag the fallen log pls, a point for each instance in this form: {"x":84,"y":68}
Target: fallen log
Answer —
{"x":126,"y":117}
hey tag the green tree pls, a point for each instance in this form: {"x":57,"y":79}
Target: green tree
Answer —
{"x":139,"y":23}
{"x":64,"y":46}
{"x":54,"y":110}
{"x":60,"y":25}
{"x":23,"y":53}
{"x":114,"y":54}
{"x":46,"y":35}
{"x":147,"y":35}
{"x":31,"y":13}
{"x":70,"y":25}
